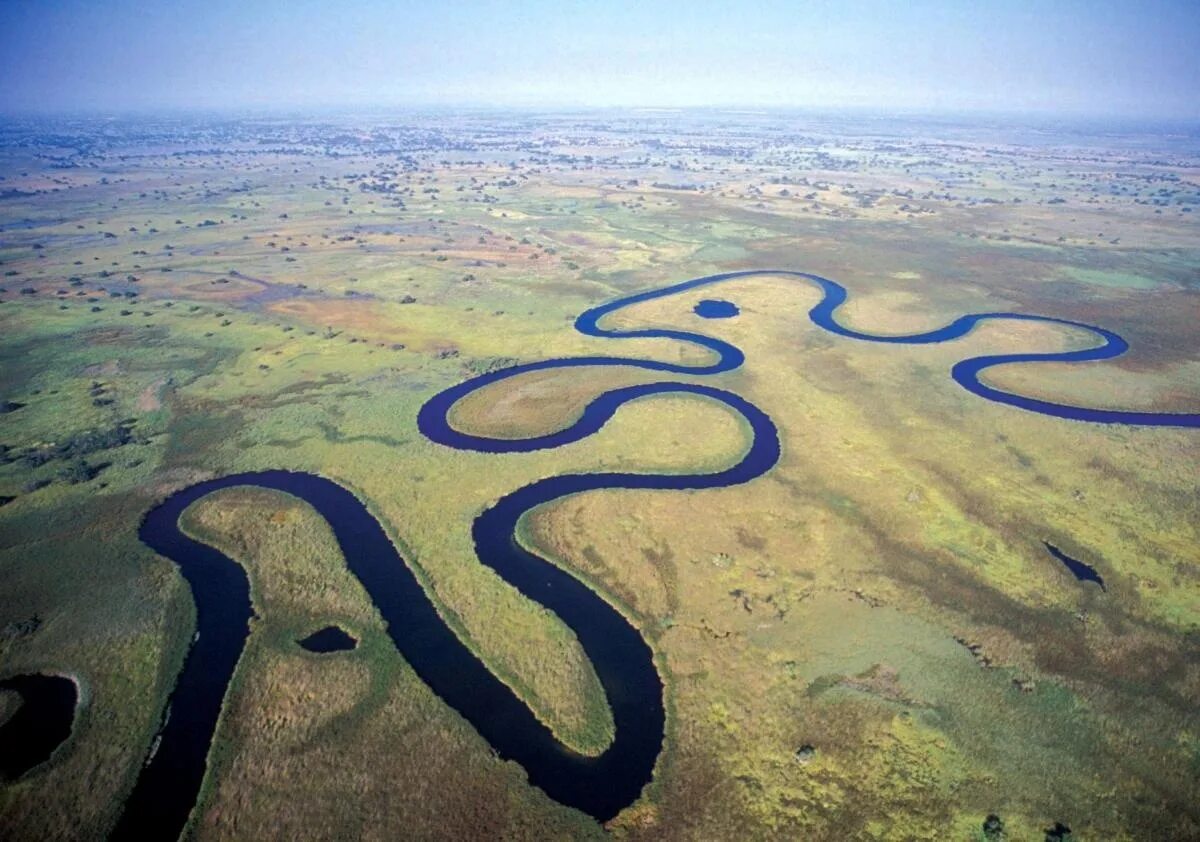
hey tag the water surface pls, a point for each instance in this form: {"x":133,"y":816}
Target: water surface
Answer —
{"x":40,"y":725}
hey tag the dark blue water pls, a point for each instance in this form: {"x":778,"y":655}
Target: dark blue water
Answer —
{"x":328,"y":639}
{"x":432,"y":416}
{"x":1081,"y":571}
{"x":711,"y":308}
{"x":600,"y":786}
{"x":39,"y":725}
{"x":603,"y":785}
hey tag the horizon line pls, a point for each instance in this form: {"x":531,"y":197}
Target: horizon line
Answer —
{"x":478,"y":107}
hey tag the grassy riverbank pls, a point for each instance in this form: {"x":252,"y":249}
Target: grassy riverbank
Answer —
{"x":870,"y":641}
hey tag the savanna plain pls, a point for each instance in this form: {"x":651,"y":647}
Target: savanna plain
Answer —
{"x":871,"y":641}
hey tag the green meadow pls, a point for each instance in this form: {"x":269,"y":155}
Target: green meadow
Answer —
{"x":868,"y":642}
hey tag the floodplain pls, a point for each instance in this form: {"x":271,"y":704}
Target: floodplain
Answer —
{"x":871,"y":640}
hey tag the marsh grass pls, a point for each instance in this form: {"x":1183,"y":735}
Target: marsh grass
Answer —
{"x":882,"y":596}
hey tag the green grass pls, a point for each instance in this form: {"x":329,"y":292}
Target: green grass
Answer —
{"x":1119,"y":280}
{"x":829,"y":603}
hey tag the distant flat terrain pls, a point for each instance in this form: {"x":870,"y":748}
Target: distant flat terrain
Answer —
{"x":931,"y":609}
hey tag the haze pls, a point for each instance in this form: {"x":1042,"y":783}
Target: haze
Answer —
{"x":1101,"y":58}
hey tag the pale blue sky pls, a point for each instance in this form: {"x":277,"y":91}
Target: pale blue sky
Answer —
{"x":1100,"y":57}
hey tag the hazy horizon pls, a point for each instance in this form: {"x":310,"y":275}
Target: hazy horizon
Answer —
{"x":1109,"y":59}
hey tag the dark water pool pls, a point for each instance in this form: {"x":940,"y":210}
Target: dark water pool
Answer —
{"x":40,"y":725}
{"x":711,"y":308}
{"x":329,"y":639}
{"x":1081,"y":571}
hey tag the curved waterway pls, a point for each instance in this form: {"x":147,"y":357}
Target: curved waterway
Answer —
{"x":166,"y":789}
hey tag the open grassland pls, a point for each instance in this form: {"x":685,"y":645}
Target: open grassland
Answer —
{"x":869,"y":642}
{"x":890,"y":543}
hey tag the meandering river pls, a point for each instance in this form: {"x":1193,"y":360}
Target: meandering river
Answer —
{"x":168,"y":785}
